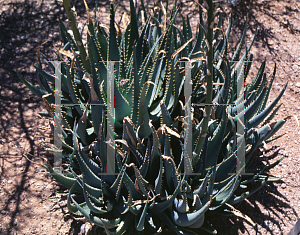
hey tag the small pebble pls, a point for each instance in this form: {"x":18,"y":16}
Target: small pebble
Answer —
{"x":283,"y":185}
{"x":85,"y":228}
{"x":298,"y":84}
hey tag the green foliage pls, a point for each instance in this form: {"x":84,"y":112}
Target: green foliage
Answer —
{"x":151,"y":186}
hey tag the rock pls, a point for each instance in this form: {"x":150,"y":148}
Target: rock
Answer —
{"x":298,"y":84}
{"x":283,"y":185}
{"x":85,"y":228}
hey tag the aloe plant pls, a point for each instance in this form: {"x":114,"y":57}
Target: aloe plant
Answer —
{"x":140,"y":58}
{"x":151,"y":186}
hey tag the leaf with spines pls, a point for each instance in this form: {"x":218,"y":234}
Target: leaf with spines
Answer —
{"x":188,"y":219}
